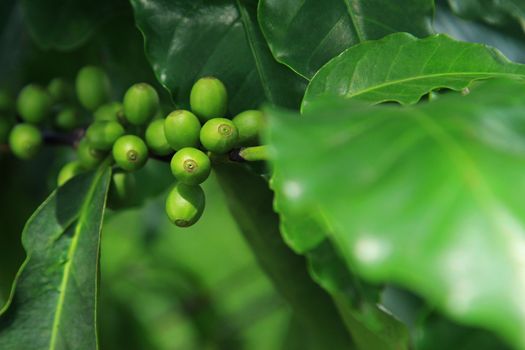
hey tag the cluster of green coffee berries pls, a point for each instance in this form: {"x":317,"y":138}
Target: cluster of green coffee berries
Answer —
{"x":133,"y":130}
{"x":34,"y":106}
{"x":193,"y":136}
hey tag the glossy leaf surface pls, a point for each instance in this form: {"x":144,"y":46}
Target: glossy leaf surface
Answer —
{"x":53,"y":302}
{"x":403,"y":68}
{"x":426,"y":197}
{"x":306,"y":34}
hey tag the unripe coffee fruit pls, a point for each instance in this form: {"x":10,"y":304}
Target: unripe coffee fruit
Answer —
{"x":190,"y":166}
{"x":182,"y":129}
{"x":219,"y":135}
{"x":122,"y":190}
{"x":59,"y":90}
{"x":93,"y":87}
{"x":34,"y":104}
{"x":110,"y":112}
{"x":185,"y":204}
{"x":87,"y":156}
{"x":141,"y":103}
{"x":69,"y":171}
{"x":130,"y":152}
{"x":156,"y":139}
{"x":66,"y":119}
{"x":209,"y":98}
{"x":102,"y":135}
{"x":25,"y":140}
{"x":249,"y":125}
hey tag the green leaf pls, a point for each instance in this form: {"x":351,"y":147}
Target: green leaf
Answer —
{"x":64,"y":24}
{"x":250,"y":201}
{"x":370,"y":326}
{"x":186,"y":40}
{"x":403,"y":68}
{"x":426,"y":197}
{"x":305,"y":34}
{"x":53,"y":301}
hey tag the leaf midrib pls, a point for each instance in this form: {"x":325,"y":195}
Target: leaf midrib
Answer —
{"x":70,"y":256}
{"x":464,"y":162}
{"x":436,"y":75}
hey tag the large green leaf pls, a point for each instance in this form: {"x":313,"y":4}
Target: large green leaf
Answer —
{"x":64,"y":24}
{"x":305,"y":34}
{"x":370,"y":326}
{"x":186,"y":40}
{"x":53,"y":301}
{"x":403,"y":68}
{"x":427,"y":197}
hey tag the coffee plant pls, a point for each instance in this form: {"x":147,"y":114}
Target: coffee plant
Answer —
{"x":262,"y":174}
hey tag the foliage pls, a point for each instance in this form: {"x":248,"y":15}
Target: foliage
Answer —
{"x":58,"y":280}
{"x":382,"y":211}
{"x":465,"y":243}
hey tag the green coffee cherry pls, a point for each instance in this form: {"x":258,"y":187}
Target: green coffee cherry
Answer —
{"x":185,"y":204}
{"x":69,"y":171}
{"x":130,"y":152}
{"x":87,"y":156}
{"x":141,"y":103}
{"x":25,"y":141}
{"x":6,"y":102}
{"x":249,"y":125}
{"x":156,"y":139}
{"x":102,"y":135}
{"x":59,"y":90}
{"x":34,"y":104}
{"x":208,"y":98}
{"x":122,"y":190}
{"x":182,"y":129}
{"x":190,"y":166}
{"x":93,"y":87}
{"x":66,"y":119}
{"x":5,"y":128}
{"x":111,"y":112}
{"x":219,"y":135}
